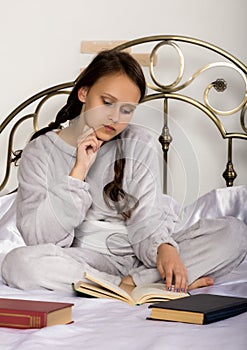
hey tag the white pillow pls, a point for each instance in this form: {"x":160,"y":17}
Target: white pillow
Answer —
{"x":10,"y":237}
{"x":228,"y":201}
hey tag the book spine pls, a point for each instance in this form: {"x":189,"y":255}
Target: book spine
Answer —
{"x":23,"y":320}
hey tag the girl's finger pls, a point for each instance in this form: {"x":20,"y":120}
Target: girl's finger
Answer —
{"x":89,"y":141}
{"x":168,"y":276}
{"x":184,"y":285}
{"x":161,"y":270}
{"x":89,"y":144}
{"x":178,"y":282}
{"x":85,"y":134}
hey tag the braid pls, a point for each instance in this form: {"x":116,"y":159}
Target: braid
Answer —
{"x":65,"y":114}
{"x":114,"y":189}
{"x":70,"y":111}
{"x":53,"y":125}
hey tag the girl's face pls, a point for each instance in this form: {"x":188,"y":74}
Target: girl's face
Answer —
{"x":109,"y":104}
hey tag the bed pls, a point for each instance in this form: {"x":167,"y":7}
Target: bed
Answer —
{"x":107,"y":324}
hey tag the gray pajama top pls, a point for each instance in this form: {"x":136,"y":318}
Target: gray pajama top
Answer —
{"x":53,"y":207}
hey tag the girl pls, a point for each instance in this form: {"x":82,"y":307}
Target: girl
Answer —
{"x":89,"y":197}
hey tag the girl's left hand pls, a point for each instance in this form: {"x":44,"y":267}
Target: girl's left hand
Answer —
{"x":87,"y":148}
{"x":171,"y":266}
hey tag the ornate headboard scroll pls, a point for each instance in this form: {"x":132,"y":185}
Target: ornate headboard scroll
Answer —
{"x":16,"y":118}
{"x":158,"y":90}
{"x":173,"y":91}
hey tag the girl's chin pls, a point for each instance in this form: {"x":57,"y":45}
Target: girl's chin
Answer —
{"x":105,"y":136}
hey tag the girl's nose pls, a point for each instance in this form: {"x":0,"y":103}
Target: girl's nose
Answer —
{"x":114,"y":115}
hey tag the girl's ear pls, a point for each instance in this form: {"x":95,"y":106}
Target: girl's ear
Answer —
{"x":82,"y":93}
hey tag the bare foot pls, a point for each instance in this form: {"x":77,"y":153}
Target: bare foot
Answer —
{"x":128,"y":280}
{"x":127,"y":284}
{"x":201,"y":282}
{"x":126,"y":287}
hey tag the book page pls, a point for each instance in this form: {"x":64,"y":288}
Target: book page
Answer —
{"x":154,"y":292}
{"x":110,"y":286}
{"x":97,"y":291}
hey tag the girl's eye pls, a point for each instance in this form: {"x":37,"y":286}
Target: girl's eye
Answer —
{"x":127,"y":110}
{"x":107,"y":102}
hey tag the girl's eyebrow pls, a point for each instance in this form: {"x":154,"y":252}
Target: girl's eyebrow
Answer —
{"x":111,"y":96}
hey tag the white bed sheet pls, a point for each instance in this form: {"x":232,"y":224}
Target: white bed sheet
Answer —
{"x":107,"y":324}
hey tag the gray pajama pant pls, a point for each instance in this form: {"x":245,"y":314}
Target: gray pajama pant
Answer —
{"x":211,"y":247}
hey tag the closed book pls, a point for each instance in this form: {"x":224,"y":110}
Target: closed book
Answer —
{"x":199,"y":308}
{"x":19,"y":313}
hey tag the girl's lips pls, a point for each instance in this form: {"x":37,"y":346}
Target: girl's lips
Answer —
{"x":109,"y":128}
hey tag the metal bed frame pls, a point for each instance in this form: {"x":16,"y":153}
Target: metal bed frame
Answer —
{"x":157,"y":90}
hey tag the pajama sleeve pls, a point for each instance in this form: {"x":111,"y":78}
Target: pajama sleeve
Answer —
{"x":50,"y":203}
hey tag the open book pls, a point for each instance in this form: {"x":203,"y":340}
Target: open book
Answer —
{"x":148,"y":293}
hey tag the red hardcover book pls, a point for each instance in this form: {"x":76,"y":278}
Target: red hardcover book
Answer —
{"x":18,"y":313}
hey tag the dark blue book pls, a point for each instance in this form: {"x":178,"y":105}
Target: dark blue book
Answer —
{"x":199,"y":308}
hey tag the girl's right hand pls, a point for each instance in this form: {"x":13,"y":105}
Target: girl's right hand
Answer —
{"x":87,"y":149}
{"x":171,"y":267}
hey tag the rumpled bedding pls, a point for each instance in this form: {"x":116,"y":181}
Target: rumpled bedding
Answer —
{"x":108,"y":324}
{"x":229,"y":201}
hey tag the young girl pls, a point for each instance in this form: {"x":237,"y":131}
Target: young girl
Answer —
{"x":89,"y":198}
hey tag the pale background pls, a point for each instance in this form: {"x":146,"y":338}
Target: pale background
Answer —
{"x":40,"y":46}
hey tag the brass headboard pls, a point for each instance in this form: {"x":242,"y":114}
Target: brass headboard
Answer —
{"x":157,"y":90}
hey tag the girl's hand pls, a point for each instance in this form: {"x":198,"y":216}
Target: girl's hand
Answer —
{"x":171,"y":266}
{"x":87,"y":149}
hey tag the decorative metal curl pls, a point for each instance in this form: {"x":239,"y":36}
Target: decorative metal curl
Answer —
{"x":220,"y":85}
{"x":242,"y":116}
{"x":163,"y":87}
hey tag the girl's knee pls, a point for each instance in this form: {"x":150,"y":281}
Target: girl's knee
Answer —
{"x":237,"y":235}
{"x":16,"y":269}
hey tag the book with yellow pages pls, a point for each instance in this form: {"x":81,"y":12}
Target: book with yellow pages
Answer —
{"x":24,"y":314}
{"x":199,"y":309}
{"x":148,"y":293}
